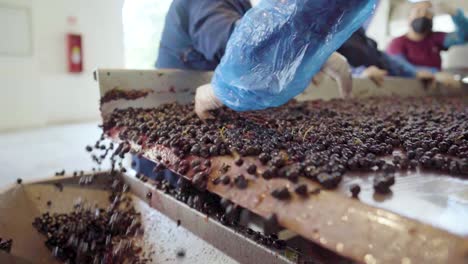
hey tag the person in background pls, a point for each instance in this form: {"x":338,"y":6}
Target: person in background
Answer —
{"x":368,"y":61}
{"x":420,"y":48}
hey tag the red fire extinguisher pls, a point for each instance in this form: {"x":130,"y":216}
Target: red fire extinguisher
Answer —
{"x":75,"y":53}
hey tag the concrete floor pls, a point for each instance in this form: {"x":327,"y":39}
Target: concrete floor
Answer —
{"x":39,"y":153}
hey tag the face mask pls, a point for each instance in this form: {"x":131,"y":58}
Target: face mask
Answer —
{"x":422,"y":25}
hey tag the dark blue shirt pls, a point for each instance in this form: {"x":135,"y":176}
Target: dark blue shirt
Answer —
{"x":362,"y":52}
{"x":196,"y":33}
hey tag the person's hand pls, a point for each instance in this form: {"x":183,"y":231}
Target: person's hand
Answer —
{"x":447,"y":80}
{"x":338,"y":69}
{"x":206,"y":100}
{"x":444,"y":8}
{"x":425,"y":76}
{"x":376,"y":74}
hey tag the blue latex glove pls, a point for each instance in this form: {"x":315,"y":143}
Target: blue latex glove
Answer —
{"x":279,"y":45}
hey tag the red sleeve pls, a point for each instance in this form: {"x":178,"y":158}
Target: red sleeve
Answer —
{"x":396,"y":47}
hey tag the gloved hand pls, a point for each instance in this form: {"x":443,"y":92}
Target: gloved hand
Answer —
{"x":425,"y":76}
{"x":206,"y":100}
{"x":375,"y":74}
{"x":336,"y":67}
{"x":447,"y":80}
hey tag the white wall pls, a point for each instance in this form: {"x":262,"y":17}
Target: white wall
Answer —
{"x":378,"y":28}
{"x":37,"y":90}
{"x":143,"y":25}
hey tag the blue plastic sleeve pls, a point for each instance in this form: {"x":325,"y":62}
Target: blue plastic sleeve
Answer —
{"x":278,"y":47}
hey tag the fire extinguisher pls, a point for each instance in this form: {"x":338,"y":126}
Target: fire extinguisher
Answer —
{"x":75,"y":53}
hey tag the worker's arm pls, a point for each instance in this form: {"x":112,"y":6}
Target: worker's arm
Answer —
{"x":460,"y":36}
{"x":400,"y":66}
{"x":397,"y":58}
{"x":276,"y":50}
{"x":406,"y":69}
{"x":336,"y":67}
{"x":396,"y":66}
{"x":211,"y":24}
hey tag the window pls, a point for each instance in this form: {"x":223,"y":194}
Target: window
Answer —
{"x":143,"y":23}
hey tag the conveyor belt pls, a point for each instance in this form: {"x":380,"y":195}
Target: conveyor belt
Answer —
{"x":344,"y":225}
{"x":349,"y":227}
